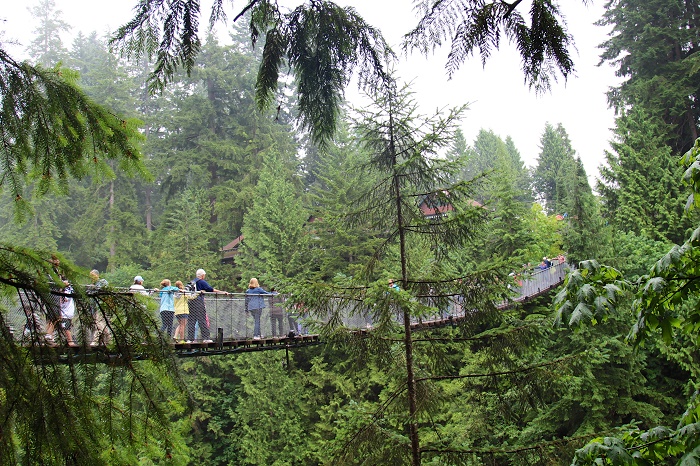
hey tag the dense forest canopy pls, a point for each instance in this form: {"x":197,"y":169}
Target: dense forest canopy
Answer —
{"x":101,"y":172}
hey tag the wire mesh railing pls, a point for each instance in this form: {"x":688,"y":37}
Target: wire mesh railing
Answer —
{"x":225,"y":315}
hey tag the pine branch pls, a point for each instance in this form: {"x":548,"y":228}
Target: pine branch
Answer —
{"x":496,"y":451}
{"x":245,"y":10}
{"x":500,"y":373}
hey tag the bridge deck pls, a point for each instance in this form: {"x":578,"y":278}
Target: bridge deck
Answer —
{"x":232,"y":327}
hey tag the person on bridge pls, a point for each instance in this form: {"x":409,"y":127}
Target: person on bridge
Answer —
{"x":67,"y":313}
{"x":198,"y":311}
{"x":167,"y":306}
{"x":53,"y":305}
{"x":255,"y":303}
{"x":138,"y":285}
{"x":277,"y":313}
{"x":182,"y":311}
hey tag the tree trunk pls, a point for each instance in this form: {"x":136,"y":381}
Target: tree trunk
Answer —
{"x":112,"y":247}
{"x":408,"y":337}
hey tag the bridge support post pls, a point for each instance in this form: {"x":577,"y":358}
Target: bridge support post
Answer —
{"x":219,"y":337}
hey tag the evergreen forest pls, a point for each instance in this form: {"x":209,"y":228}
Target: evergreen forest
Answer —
{"x":149,"y":151}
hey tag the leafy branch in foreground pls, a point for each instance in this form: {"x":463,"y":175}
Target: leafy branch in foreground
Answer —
{"x":50,"y":132}
{"x":477,"y":25}
{"x":81,"y":412}
{"x":668,"y":316}
{"x":322,"y":43}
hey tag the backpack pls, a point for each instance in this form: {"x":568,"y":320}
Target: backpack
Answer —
{"x":191,"y":286}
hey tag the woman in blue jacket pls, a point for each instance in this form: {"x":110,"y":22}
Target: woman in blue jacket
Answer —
{"x":254,"y":303}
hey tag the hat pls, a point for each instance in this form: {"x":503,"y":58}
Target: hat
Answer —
{"x":138,"y":278}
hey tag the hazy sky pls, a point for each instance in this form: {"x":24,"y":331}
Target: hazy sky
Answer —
{"x":497,"y":96}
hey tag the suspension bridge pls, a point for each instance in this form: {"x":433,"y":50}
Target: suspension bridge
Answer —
{"x":232,"y":327}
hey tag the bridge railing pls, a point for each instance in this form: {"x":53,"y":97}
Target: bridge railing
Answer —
{"x":534,"y":283}
{"x":228,"y":311}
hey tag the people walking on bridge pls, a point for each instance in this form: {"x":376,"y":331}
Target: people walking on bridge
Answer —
{"x":167,"y":306}
{"x":198,"y":311}
{"x":67,"y":313}
{"x":182,"y":311}
{"x":255,"y":303}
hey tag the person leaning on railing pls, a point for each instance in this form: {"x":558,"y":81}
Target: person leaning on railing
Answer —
{"x":255,"y":303}
{"x":167,"y":306}
{"x":198,"y":311}
{"x":182,"y":311}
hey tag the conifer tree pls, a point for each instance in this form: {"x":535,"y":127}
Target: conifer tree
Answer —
{"x":523,"y":181}
{"x":654,"y":47}
{"x":340,"y":248}
{"x":508,"y":236}
{"x":641,"y":182}
{"x":46,"y":47}
{"x":554,"y":162}
{"x":216,"y":140}
{"x":276,"y":229}
{"x":182,"y":239}
{"x":402,"y":148}
{"x":585,"y":235}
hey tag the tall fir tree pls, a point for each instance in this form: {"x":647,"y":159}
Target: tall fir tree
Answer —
{"x":338,"y":178}
{"x":585,"y":236}
{"x":181,"y":242}
{"x":641,"y":183}
{"x":276,"y":229}
{"x":554,"y":162}
{"x":46,"y":48}
{"x":655,"y":49}
{"x":406,"y":174}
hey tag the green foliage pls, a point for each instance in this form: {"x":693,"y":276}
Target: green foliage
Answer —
{"x":543,"y":43}
{"x":276,"y":234}
{"x":585,"y":235}
{"x":78,"y":412}
{"x":665,"y":304}
{"x":420,"y":250}
{"x":589,"y":294}
{"x":272,"y":412}
{"x":653,"y":47}
{"x":554,"y":163}
{"x":75,"y":412}
{"x":41,"y":231}
{"x":181,"y":243}
{"x":338,"y":176}
{"x":509,"y":237}
{"x":58,"y":131}
{"x":321,"y":42}
{"x":659,"y":445}
{"x":217,"y":141}
{"x":546,"y":235}
{"x":641,"y":183}
{"x":634,"y":255}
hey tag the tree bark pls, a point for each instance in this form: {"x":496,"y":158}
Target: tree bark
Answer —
{"x":408,"y":336}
